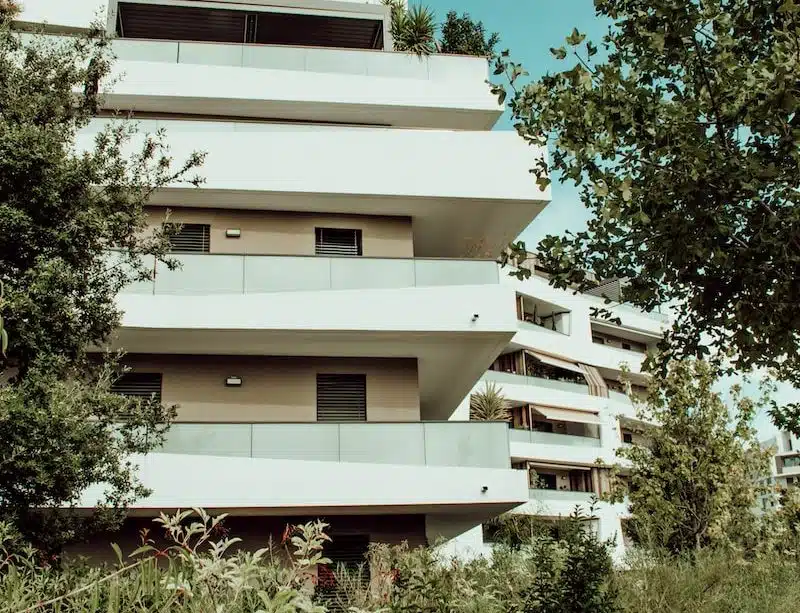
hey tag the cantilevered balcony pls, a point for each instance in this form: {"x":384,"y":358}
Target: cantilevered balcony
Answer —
{"x":332,"y":469}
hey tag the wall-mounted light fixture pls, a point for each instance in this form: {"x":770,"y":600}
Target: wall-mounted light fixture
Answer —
{"x":233,"y":382}
{"x":484,"y":489}
{"x":475,"y":317}
{"x":233,"y":233}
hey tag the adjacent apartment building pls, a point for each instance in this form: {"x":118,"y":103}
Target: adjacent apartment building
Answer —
{"x":784,"y":468}
{"x":337,"y":300}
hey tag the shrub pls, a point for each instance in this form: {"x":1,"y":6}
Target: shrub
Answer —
{"x":489,"y":404}
{"x":414,"y":29}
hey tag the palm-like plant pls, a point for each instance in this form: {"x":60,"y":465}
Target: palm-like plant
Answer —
{"x":414,"y":29}
{"x":489,"y":404}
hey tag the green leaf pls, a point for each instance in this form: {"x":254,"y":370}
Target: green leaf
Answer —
{"x":576,"y":38}
{"x":3,"y":341}
{"x":559,"y":53}
{"x":591,"y":49}
{"x":118,"y":552}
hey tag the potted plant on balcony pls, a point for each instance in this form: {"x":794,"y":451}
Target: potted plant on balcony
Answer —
{"x":489,"y":404}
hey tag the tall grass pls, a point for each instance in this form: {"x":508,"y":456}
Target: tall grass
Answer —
{"x":567,"y":573}
{"x":712,"y":582}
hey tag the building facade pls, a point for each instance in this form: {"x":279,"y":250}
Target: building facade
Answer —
{"x":337,"y":300}
{"x":784,"y":468}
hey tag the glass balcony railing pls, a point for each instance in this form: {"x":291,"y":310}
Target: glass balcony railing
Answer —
{"x":456,"y":444}
{"x":528,"y":325}
{"x":253,"y":274}
{"x":551,"y":438}
{"x":555,"y":384}
{"x":565,"y":495}
{"x":362,"y":62}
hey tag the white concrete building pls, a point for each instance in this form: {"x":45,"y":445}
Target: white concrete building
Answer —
{"x":561,"y":375}
{"x":333,"y":313}
{"x":784,"y":468}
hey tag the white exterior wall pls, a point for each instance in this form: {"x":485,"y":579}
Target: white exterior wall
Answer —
{"x":576,"y":347}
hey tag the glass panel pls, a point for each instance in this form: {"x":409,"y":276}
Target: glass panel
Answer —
{"x":311,"y":442}
{"x":202,"y":274}
{"x":467,"y":444}
{"x":383,"y":443}
{"x":547,"y":438}
{"x":230,"y":440}
{"x":275,"y":58}
{"x":278,"y":274}
{"x":455,"y":272}
{"x":519,"y":436}
{"x":216,"y":55}
{"x":578,"y":497}
{"x":371,"y":273}
{"x":146,"y":50}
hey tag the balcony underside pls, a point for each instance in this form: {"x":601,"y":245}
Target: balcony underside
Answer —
{"x":441,"y":180}
{"x":433,"y":325}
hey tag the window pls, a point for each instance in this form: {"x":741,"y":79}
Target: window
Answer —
{"x":627,"y":437}
{"x":139,"y":385}
{"x":154,"y":21}
{"x":791,"y":461}
{"x":542,"y":426}
{"x":341,"y":398}
{"x":546,"y":481}
{"x":337,"y":241}
{"x":626,"y":346}
{"x":191,"y":238}
{"x":598,"y":340}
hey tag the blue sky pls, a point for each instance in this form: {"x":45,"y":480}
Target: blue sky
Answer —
{"x":529,"y":28}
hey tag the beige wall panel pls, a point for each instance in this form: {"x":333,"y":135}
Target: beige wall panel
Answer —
{"x":288,"y":233}
{"x":277,"y":389}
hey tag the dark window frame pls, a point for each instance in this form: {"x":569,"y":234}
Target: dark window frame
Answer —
{"x":190,"y":238}
{"x":333,"y":403}
{"x":339,"y":242}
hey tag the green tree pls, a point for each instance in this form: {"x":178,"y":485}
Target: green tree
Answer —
{"x":682,"y":132}
{"x":694,"y":483}
{"x":463,"y":36}
{"x":62,"y":210}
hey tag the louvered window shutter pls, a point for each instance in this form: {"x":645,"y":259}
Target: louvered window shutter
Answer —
{"x":347,"y":549}
{"x":191,"y":238}
{"x":337,"y":241}
{"x":341,"y":398}
{"x":344,"y":550}
{"x":139,"y":384}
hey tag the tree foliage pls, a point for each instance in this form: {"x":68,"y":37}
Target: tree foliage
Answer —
{"x":63,"y":207}
{"x":694,"y":484}
{"x":682,"y":131}
{"x":462,"y":35}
